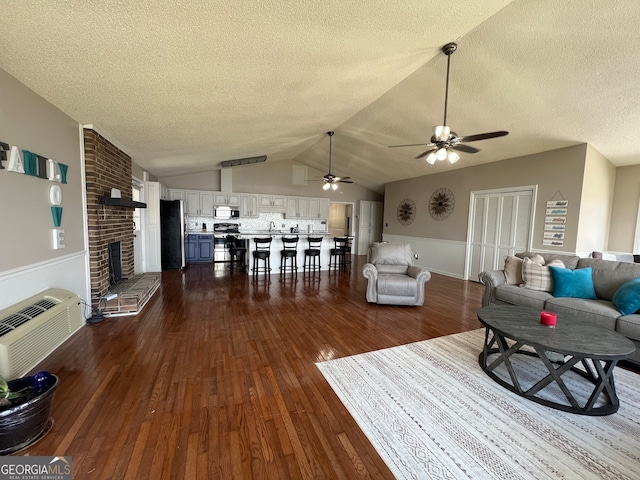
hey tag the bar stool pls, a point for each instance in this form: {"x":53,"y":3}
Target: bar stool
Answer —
{"x":289,"y":253}
{"x":338,"y":253}
{"x":347,"y":253}
{"x":238,"y":252}
{"x":262,"y":252}
{"x":312,"y":253}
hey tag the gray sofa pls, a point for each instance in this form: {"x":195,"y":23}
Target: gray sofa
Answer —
{"x":392,"y":278}
{"x":617,"y":257}
{"x":607,"y":275}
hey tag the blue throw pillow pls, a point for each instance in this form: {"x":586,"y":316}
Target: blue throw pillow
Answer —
{"x":576,"y":283}
{"x":627,"y":298}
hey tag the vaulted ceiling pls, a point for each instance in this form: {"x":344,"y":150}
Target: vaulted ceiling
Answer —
{"x":182,"y":85}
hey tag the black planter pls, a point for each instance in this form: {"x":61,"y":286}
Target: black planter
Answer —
{"x":23,"y":424}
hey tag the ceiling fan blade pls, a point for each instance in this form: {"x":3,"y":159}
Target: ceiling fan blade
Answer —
{"x":426,"y":153}
{"x":344,"y":181}
{"x":465,"y":148}
{"x":483,"y":136}
{"x":409,"y":145}
{"x":342,"y":178}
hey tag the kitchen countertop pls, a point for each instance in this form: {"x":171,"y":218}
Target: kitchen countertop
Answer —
{"x":280,"y":234}
{"x":251,"y":233}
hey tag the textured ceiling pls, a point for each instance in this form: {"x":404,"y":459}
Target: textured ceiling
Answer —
{"x":182,"y":85}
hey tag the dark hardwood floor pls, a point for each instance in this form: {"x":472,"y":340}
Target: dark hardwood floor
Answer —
{"x":216,"y":378}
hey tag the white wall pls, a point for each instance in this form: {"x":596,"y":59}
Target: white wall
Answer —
{"x":439,"y":256}
{"x":596,"y":203}
{"x":624,"y":210}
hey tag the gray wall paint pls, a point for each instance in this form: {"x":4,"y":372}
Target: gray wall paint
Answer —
{"x":271,"y":178}
{"x":31,"y":123}
{"x":276,"y":178}
{"x":557,"y":171}
{"x":196,"y":181}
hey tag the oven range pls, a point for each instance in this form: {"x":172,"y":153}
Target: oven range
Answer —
{"x":220,"y":232}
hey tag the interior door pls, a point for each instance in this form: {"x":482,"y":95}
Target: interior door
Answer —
{"x":500,"y":224}
{"x":138,"y":250}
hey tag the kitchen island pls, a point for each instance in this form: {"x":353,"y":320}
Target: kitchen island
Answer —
{"x":277,"y":246}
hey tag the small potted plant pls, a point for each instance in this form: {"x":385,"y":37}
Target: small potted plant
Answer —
{"x":25,"y":405}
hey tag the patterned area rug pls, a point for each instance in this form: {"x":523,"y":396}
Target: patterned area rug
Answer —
{"x":431,"y":412}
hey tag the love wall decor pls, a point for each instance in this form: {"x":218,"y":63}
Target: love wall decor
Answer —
{"x":38,"y":166}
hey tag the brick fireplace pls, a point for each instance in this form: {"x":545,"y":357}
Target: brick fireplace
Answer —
{"x":107,"y":167}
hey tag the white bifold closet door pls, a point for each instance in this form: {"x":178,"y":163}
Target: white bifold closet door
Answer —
{"x":500,"y":223}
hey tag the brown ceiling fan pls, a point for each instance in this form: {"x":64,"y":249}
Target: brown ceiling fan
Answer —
{"x":444,"y":141}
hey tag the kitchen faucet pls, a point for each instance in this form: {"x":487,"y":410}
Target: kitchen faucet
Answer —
{"x":272,"y":226}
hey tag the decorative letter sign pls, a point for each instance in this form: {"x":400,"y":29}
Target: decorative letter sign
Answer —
{"x":39,"y":166}
{"x":63,"y":172}
{"x":30,"y":163}
{"x":55,"y":195}
{"x":15,"y":160}
{"x":4,"y":148}
{"x":554,"y":222}
{"x":55,"y":198}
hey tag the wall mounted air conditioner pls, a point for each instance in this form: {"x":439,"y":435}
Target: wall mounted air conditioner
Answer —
{"x":31,"y":329}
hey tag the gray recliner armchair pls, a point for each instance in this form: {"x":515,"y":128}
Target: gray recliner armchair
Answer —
{"x":392,"y":278}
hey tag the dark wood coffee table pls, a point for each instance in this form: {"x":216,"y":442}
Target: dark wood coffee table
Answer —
{"x":597,"y":349}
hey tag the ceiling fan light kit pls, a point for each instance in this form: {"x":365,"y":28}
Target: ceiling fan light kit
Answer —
{"x":441,"y":133}
{"x":330,"y":180}
{"x":444,"y":141}
{"x":442,"y":154}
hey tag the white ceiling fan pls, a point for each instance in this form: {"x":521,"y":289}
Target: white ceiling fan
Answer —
{"x":444,"y":142}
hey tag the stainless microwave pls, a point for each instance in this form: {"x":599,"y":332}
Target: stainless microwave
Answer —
{"x":224,"y":213}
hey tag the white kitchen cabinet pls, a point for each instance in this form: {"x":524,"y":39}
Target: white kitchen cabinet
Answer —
{"x":324,"y":208}
{"x":206,"y":204}
{"x":273,"y":203}
{"x":198,"y":203}
{"x":318,"y":208}
{"x":192,"y":202}
{"x":164,"y":193}
{"x":176,"y":194}
{"x":226,"y":198}
{"x":249,"y":206}
{"x":297,"y":207}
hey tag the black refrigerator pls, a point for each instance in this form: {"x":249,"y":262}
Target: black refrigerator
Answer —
{"x":172,"y":234}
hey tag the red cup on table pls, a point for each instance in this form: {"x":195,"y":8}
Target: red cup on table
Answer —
{"x":548,"y":319}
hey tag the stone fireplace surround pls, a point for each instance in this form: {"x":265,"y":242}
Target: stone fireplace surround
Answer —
{"x":107,"y":167}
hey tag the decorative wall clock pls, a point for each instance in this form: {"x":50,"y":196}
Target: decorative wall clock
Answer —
{"x":406,"y":211}
{"x":441,"y":203}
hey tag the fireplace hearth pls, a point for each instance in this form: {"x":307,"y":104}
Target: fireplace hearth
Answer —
{"x":111,"y":240}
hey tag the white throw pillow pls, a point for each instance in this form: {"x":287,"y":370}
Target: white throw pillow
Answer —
{"x":537,"y":258}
